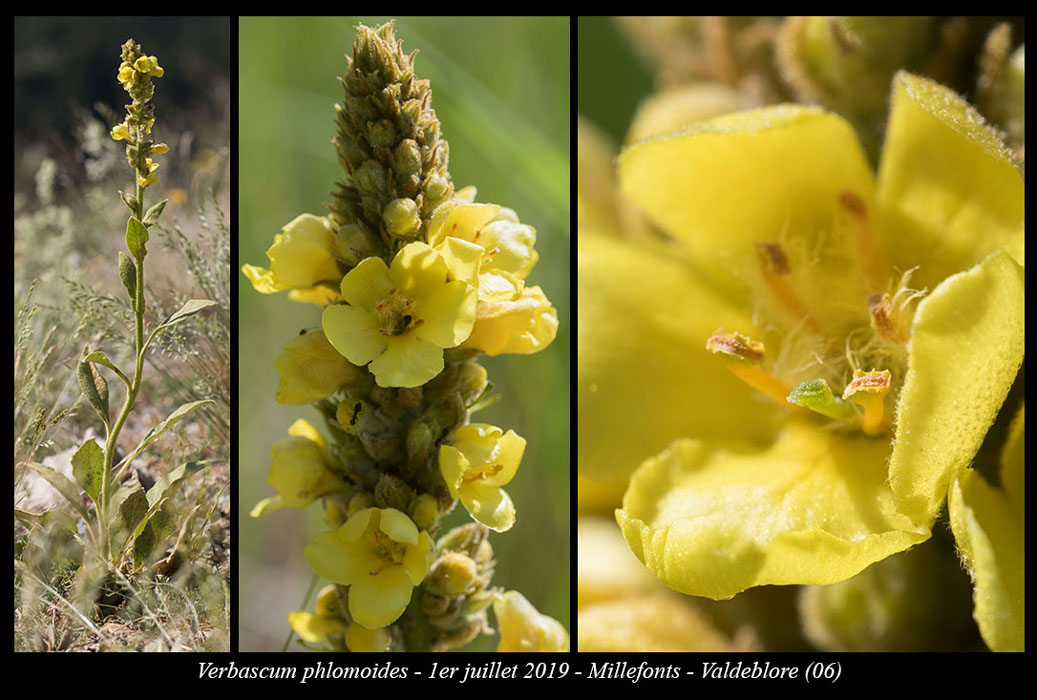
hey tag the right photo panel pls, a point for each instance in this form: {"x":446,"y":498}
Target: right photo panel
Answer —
{"x":800,"y":313}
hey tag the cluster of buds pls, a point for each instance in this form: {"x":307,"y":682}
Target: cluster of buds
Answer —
{"x":415,"y":282}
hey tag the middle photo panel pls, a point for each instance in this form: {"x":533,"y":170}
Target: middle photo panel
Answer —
{"x":404,"y":323}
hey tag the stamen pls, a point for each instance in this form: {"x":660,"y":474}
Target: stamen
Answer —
{"x":868,"y":390}
{"x":774,"y":266}
{"x":479,"y":475}
{"x":743,"y":357}
{"x":867,"y":257}
{"x":882,"y":319}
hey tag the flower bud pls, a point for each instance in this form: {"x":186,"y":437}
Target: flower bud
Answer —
{"x":392,"y":492}
{"x":401,"y":218}
{"x":355,"y":243}
{"x":370,"y":178}
{"x":381,"y":133}
{"x":452,"y":574}
{"x":425,"y":512}
{"x":407,"y":157}
{"x":128,"y":274}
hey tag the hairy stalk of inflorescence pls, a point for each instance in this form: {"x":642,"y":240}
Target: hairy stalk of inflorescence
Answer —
{"x":416,"y":281}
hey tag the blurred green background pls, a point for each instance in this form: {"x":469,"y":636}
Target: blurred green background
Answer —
{"x":501,"y":90}
{"x":612,"y":80}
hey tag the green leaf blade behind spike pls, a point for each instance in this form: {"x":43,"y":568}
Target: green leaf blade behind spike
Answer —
{"x":136,"y":238}
{"x":88,"y":468}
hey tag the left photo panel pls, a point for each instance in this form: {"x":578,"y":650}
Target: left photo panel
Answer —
{"x":122,"y":248}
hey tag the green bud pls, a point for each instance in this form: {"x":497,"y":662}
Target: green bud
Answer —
{"x":95,"y":389}
{"x":401,"y":218}
{"x":151,"y":216}
{"x":466,"y":538}
{"x":329,"y":602}
{"x":370,"y":178}
{"x":355,"y":243}
{"x":451,"y":574}
{"x":392,"y":492}
{"x":358,"y":502}
{"x":437,"y":188}
{"x":128,"y":274}
{"x":411,"y":112}
{"x":425,"y":512}
{"x":472,"y":382}
{"x":381,"y":133}
{"x":407,"y":157}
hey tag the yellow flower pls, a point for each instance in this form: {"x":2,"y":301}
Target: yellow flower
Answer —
{"x":149,"y":65}
{"x":151,"y":165}
{"x":326,"y":624}
{"x":120,"y":132}
{"x":524,"y":325}
{"x":158,"y":149}
{"x":784,"y":234}
{"x":147,"y":181}
{"x":302,"y":469}
{"x":400,"y":318}
{"x":484,"y":245}
{"x":156,"y":71}
{"x":309,"y":369}
{"x":125,"y":73}
{"x":475,"y":462}
{"x":300,"y":258}
{"x":381,"y":556}
{"x":523,"y":628}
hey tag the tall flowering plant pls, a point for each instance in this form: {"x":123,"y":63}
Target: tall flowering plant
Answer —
{"x":416,"y":281}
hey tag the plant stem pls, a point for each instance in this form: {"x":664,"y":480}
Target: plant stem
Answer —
{"x":131,"y":394}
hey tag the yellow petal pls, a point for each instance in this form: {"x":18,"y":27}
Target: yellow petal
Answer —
{"x":596,"y":180}
{"x":523,"y":326}
{"x":398,"y":526}
{"x":642,"y":369}
{"x":407,"y":361}
{"x":814,"y":507}
{"x":657,"y":622}
{"x":418,"y":271}
{"x":452,"y":465}
{"x":448,"y":315}
{"x":462,"y":259}
{"x":366,"y":284}
{"x":263,"y":281}
{"x":966,"y":346}
{"x":313,"y":628}
{"x":353,"y":332}
{"x":723,"y":185}
{"x":606,"y":569}
{"x":310,"y":369}
{"x":524,"y":628}
{"x":379,"y":600}
{"x":335,"y":560}
{"x":490,"y":505}
{"x":360,"y":639}
{"x":418,"y":558}
{"x":989,"y":526}
{"x":948,"y":189}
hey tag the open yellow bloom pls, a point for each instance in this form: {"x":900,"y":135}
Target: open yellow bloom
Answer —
{"x":400,"y":318}
{"x":784,"y":235}
{"x":381,"y":556}
{"x":524,"y":325}
{"x":302,"y":469}
{"x":476,"y":461}
{"x":120,"y":132}
{"x":300,"y":258}
{"x":524,"y":628}
{"x":125,"y":73}
{"x":484,"y":245}
{"x":309,"y":369}
{"x":314,"y":628}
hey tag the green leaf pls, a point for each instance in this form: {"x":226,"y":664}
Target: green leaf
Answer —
{"x":186,"y":311}
{"x":132,"y":512}
{"x":151,"y":217}
{"x":62,"y":483}
{"x":168,"y":423}
{"x":136,"y":238}
{"x":88,"y":468}
{"x":129,"y":200}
